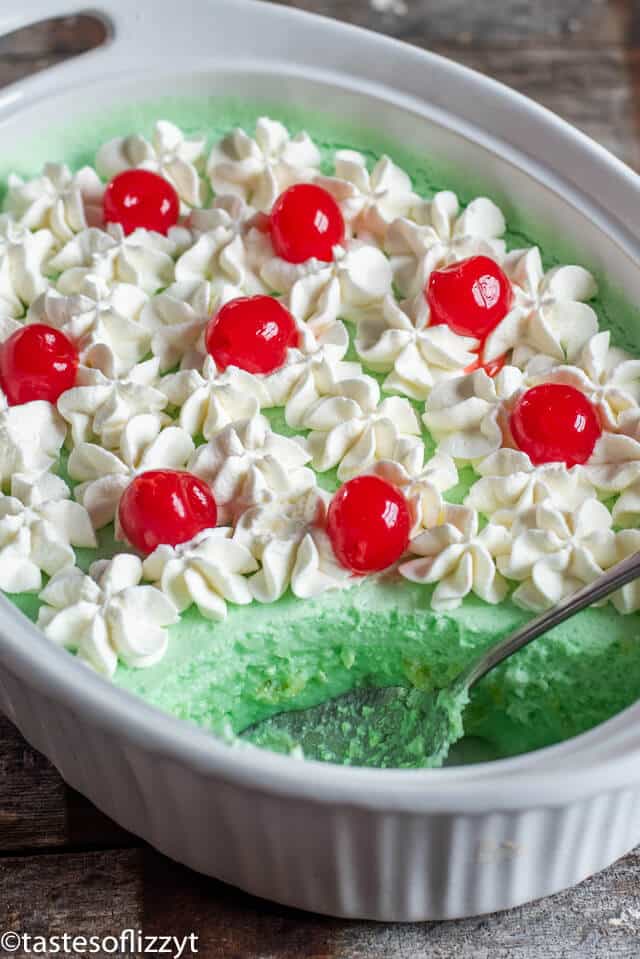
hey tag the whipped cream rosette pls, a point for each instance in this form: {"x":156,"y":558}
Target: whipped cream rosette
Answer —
{"x":103,"y":475}
{"x":259,"y":168}
{"x":175,"y":157}
{"x":107,"y":615}
{"x":614,"y":465}
{"x":289,"y":540}
{"x":319,"y":293}
{"x":23,"y":256}
{"x":214,"y":398}
{"x":8,"y":326}
{"x":208,"y":571}
{"x":211,"y":399}
{"x":555,"y":551}
{"x":100,"y":407}
{"x":101,"y":319}
{"x":175,"y":320}
{"x":626,"y":509}
{"x":247,"y":463}
{"x":311,"y":373}
{"x":351,"y":429}
{"x":224,"y":256}
{"x":369,"y":201}
{"x":437,"y":233}
{"x":396,"y":339}
{"x":33,"y":489}
{"x":237,"y":216}
{"x":549,"y":312}
{"x":142,"y":258}
{"x":39,"y":525}
{"x":465,"y":414}
{"x":31,"y":437}
{"x":58,"y":200}
{"x":422,"y":487}
{"x":510,"y":484}
{"x":460,"y":558}
{"x":608,"y":376}
{"x":627,"y":599}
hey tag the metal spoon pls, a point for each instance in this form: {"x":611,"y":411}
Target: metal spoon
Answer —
{"x":404,"y":727}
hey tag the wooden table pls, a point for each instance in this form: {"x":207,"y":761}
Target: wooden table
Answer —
{"x":64,"y":867}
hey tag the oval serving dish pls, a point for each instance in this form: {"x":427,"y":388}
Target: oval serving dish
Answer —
{"x":380,"y":844}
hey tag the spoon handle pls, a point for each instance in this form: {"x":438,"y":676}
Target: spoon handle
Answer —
{"x":616,"y":577}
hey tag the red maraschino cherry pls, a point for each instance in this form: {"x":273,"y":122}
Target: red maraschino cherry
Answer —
{"x":252,"y":332}
{"x":555,"y":423}
{"x":165,"y":507}
{"x":471,"y":296}
{"x":141,"y":198}
{"x":368,"y":524}
{"x":306,"y":221}
{"x":37,"y":362}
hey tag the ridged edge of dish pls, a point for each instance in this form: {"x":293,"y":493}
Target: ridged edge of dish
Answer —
{"x":368,"y":864}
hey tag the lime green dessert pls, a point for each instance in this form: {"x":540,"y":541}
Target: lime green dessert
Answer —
{"x":283,"y":416}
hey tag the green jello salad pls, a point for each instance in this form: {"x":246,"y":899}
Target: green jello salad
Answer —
{"x":283,"y":416}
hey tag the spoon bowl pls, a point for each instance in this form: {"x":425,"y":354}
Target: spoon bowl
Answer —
{"x":403,"y":727}
{"x":390,"y":727}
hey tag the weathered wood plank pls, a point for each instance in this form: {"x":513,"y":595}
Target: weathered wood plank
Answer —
{"x":105,"y":892}
{"x":38,"y":810}
{"x":484,"y":23}
{"x":97,"y":893}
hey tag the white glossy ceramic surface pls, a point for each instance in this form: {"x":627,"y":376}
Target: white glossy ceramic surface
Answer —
{"x":389,"y":845}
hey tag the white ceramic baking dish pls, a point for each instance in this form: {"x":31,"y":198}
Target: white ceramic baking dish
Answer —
{"x":389,"y":845}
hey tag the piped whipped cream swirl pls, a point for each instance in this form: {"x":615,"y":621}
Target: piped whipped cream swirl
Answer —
{"x":224,"y":256}
{"x":608,"y":376}
{"x":213,"y":399}
{"x":103,"y":475}
{"x":31,"y":437}
{"x":101,"y":319}
{"x":437,"y":234}
{"x":465,"y":414}
{"x":319,"y":293}
{"x":175,"y":322}
{"x":208,"y":571}
{"x":107,"y":616}
{"x":460,"y":558}
{"x":247,"y":463}
{"x":289,"y":540}
{"x":142,"y":258}
{"x":396,"y":339}
{"x":549,"y":311}
{"x":555,"y":551}
{"x":100,"y":407}
{"x":23,"y":256}
{"x":39,"y":525}
{"x":422,"y":488}
{"x":62,"y":202}
{"x":257,"y":169}
{"x":175,"y":157}
{"x":351,"y":429}
{"x":510,"y":484}
{"x":369,"y":201}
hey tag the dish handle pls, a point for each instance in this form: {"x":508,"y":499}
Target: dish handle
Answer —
{"x":121,"y":18}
